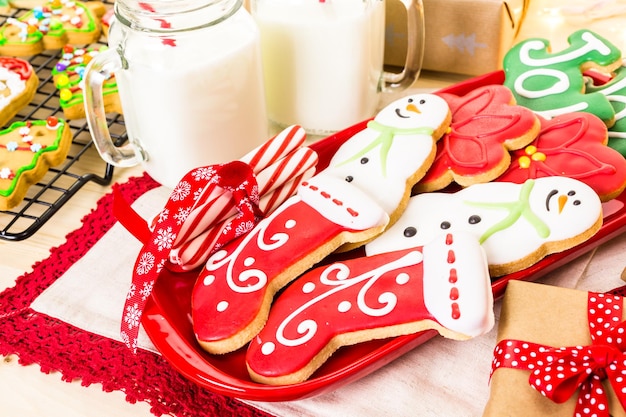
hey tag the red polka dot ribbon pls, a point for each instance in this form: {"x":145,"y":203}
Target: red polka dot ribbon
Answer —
{"x":558,"y":372}
{"x":236,"y":178}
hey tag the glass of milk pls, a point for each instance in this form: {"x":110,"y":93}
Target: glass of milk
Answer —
{"x":323,"y":59}
{"x":190,"y":82}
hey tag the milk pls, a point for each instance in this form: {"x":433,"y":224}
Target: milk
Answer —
{"x":194,"y":104}
{"x":322,"y":61}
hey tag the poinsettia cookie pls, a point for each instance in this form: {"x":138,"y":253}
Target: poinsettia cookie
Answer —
{"x":363,"y":190}
{"x":18,"y":85}
{"x":486,"y":125}
{"x":572,"y":145}
{"x":68,"y":79}
{"x":517,"y":224}
{"x":552,"y":83}
{"x":27,"y":150}
{"x":51,"y":26}
{"x":444,"y":285}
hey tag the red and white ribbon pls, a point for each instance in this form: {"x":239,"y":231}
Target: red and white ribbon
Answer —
{"x":558,"y":373}
{"x":209,"y":207}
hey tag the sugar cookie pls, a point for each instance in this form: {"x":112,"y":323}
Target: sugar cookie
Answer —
{"x":572,"y":145}
{"x":51,"y":26}
{"x":486,"y":125}
{"x":517,"y":224}
{"x":552,"y":83}
{"x":444,"y":285}
{"x":27,"y":150}
{"x":18,"y":85}
{"x":362,"y":191}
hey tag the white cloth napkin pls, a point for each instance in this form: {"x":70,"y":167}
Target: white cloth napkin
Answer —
{"x":439,"y":378}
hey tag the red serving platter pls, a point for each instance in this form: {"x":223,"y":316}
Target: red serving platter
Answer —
{"x":167,"y":317}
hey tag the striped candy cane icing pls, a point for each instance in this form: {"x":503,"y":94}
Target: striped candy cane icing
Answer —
{"x":443,"y":285}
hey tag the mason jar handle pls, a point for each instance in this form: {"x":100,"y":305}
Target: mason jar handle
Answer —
{"x":415,"y":48}
{"x":99,"y":69}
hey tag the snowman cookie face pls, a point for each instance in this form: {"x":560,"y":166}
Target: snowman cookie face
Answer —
{"x":517,"y":224}
{"x":394,"y":151}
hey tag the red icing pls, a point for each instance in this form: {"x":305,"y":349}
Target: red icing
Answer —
{"x":17,"y":65}
{"x":574,"y":145}
{"x":483,"y":124}
{"x":453,"y":276}
{"x":451,"y":257}
{"x":327,"y":313}
{"x":310,"y":231}
{"x":456,"y":311}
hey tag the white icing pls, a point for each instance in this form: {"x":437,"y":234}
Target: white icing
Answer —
{"x":426,"y":212}
{"x":475,"y":302}
{"x":593,"y":44}
{"x":11,"y":85}
{"x":344,"y":201}
{"x":336,"y":278}
{"x":560,"y":86}
{"x":407,"y":154}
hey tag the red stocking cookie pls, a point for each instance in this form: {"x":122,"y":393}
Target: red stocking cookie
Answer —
{"x":486,"y":124}
{"x":366,"y":184}
{"x":444,"y":285}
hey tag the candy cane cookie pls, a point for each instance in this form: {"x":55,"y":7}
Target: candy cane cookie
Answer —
{"x":362,"y":191}
{"x":517,"y":224}
{"x":552,"y":83}
{"x":444,"y":285}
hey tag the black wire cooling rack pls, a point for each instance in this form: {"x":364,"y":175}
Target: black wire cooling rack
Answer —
{"x":46,"y":197}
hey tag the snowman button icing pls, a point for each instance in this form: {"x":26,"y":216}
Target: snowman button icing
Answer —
{"x":349,"y":178}
{"x":410,"y":231}
{"x":474,"y":219}
{"x":445,"y":225}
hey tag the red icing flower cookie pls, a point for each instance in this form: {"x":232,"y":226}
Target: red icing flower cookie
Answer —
{"x":18,"y":85}
{"x":486,"y":125}
{"x":572,"y":145}
{"x":51,"y":26}
{"x":443,"y":285}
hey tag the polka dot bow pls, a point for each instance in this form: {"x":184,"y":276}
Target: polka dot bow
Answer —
{"x":235,"y":177}
{"x":558,"y":372}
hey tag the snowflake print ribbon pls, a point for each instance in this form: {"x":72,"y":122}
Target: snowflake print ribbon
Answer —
{"x":558,"y":373}
{"x":234,"y":177}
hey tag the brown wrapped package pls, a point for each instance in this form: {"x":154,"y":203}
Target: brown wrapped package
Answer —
{"x":546,"y":315}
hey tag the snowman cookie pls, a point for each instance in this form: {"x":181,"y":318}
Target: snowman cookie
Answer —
{"x":444,"y":285}
{"x":363,"y":190}
{"x":517,"y":224}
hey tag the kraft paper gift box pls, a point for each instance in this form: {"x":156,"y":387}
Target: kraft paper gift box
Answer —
{"x":555,"y":317}
{"x":462,"y":36}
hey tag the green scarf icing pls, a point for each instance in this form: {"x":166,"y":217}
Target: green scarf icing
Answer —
{"x":385,"y":139}
{"x":516,"y":209}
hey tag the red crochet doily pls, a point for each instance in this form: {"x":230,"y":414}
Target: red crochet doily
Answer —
{"x":77,"y":354}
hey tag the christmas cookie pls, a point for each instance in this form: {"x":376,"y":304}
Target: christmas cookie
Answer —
{"x":18,"y":85}
{"x":363,"y":190}
{"x":27,"y":150}
{"x":552,"y":84}
{"x":68,"y":78}
{"x":106,"y":21}
{"x":486,"y":125}
{"x":572,"y":145}
{"x":615,"y":91}
{"x":444,"y":285}
{"x":517,"y":224}
{"x":51,"y":26}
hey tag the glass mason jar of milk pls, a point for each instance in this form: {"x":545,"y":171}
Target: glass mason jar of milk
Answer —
{"x":323,"y":59}
{"x":190,"y":82}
